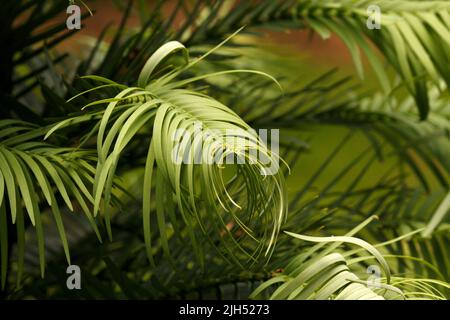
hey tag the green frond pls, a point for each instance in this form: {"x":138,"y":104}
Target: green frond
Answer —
{"x":322,"y":273}
{"x":34,"y":172}
{"x":207,"y":194}
{"x":412,"y":35}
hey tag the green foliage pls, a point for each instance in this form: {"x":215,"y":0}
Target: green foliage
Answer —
{"x":101,"y":145}
{"x":320,"y":273}
{"x":202,"y":194}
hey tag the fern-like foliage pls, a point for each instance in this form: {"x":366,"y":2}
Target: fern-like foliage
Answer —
{"x":32,"y":173}
{"x":320,"y":273}
{"x":162,"y":106}
{"x":412,"y":36}
{"x":353,"y":154}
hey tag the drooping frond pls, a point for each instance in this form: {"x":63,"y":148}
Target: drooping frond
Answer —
{"x":191,"y":139}
{"x":32,"y":173}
